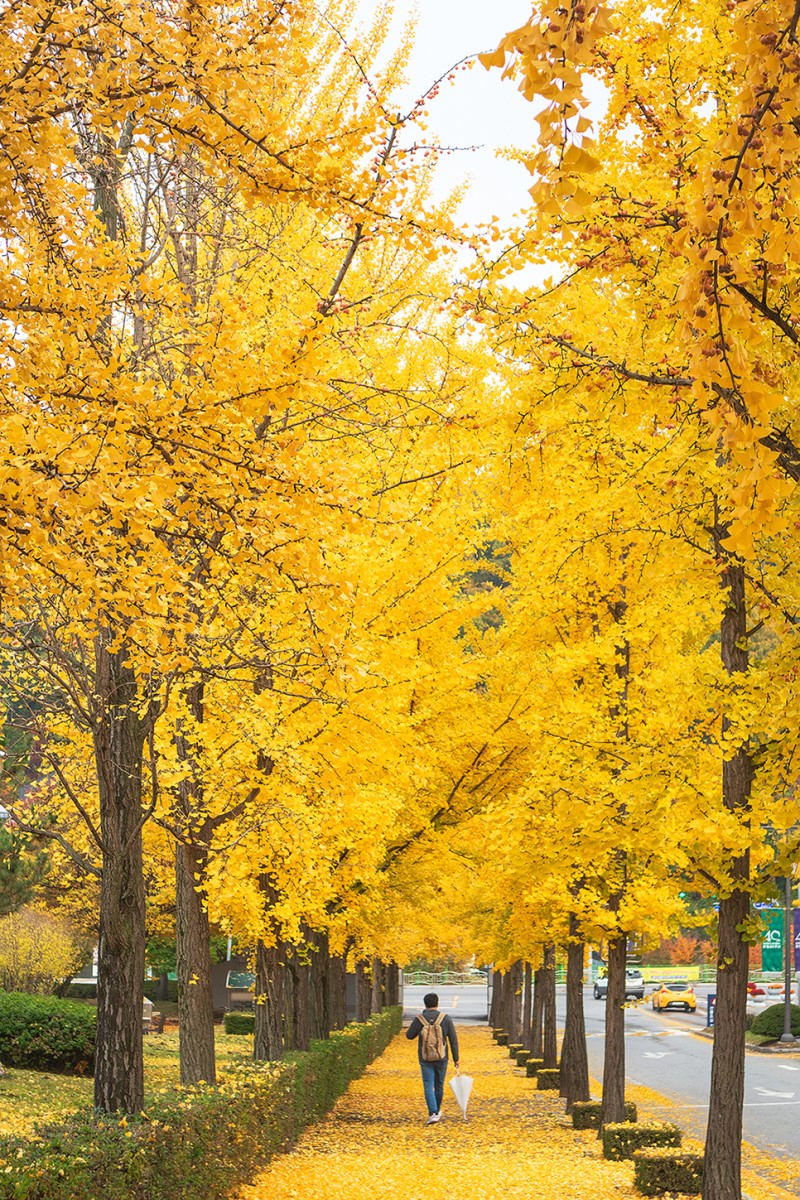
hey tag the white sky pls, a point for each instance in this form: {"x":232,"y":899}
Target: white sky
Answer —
{"x":478,"y":108}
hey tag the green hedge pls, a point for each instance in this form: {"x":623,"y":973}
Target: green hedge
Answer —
{"x":80,"y":991}
{"x":588,"y":1114}
{"x":513,"y":1048}
{"x":620,"y":1141}
{"x":522,"y":1057}
{"x":658,"y":1169}
{"x":769,"y":1023}
{"x":533,"y":1066}
{"x":547,"y":1078}
{"x":237,"y":1022}
{"x":502,"y":1038}
{"x":42,"y":1033}
{"x":193,"y":1143}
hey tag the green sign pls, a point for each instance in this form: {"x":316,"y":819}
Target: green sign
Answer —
{"x":240,"y":980}
{"x":772,"y":945}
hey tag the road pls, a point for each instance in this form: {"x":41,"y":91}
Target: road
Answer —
{"x":468,"y":1003}
{"x":665,"y":1052}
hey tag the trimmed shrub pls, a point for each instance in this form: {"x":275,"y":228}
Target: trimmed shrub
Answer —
{"x":620,"y":1141}
{"x":547,"y":1078}
{"x":769,"y":1023}
{"x":80,"y":991}
{"x":195,"y":1143}
{"x":502,"y":1038}
{"x":533,"y":1066}
{"x":657,"y":1169}
{"x":495,"y":1033}
{"x":513,"y":1047}
{"x":236,"y":1022}
{"x":42,"y":1033}
{"x":522,"y":1057}
{"x":588,"y":1114}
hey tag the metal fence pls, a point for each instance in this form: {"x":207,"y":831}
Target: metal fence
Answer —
{"x":443,"y":978}
{"x":703,"y":973}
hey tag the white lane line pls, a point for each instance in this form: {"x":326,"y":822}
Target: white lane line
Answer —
{"x":786,"y":1067}
{"x":657,"y":1053}
{"x":750,"y":1104}
{"x":766,"y":1092}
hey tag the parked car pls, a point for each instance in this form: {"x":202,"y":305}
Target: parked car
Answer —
{"x":675,"y":994}
{"x":634,"y":985}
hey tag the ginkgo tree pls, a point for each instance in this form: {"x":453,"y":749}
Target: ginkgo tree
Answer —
{"x":666,"y":216}
{"x":166,"y":420}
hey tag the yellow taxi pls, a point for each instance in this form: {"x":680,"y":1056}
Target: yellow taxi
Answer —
{"x":675,"y":994}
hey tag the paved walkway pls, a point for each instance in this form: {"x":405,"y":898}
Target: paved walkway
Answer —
{"x":375,"y":1145}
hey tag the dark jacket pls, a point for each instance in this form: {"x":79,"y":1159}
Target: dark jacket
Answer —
{"x":448,"y":1032}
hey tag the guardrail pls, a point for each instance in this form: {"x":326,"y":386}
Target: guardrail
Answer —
{"x":443,"y":978}
{"x":699,"y":973}
{"x":458,"y":978}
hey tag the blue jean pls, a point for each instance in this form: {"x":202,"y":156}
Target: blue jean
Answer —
{"x":433,"y":1074}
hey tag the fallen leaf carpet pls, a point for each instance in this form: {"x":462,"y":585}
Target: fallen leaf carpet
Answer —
{"x":375,"y":1144}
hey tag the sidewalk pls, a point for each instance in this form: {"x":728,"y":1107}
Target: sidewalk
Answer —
{"x":375,"y":1145}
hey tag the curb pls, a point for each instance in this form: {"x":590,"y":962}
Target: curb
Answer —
{"x":794,"y":1051}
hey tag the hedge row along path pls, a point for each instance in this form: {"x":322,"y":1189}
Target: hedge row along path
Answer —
{"x":764,"y":1176}
{"x":516,"y":1143}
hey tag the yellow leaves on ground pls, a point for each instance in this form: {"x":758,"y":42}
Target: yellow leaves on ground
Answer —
{"x":29,"y":1098}
{"x":516,"y":1143}
{"x":764,"y":1176}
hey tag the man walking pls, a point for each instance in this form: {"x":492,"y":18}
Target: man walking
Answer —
{"x":433,"y":1031}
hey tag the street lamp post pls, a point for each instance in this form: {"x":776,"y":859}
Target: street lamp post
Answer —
{"x":788,"y":948}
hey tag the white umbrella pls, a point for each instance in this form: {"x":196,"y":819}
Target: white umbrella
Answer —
{"x":462,"y":1086}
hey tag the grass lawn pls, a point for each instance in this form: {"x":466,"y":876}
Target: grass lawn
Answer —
{"x":30,"y":1096}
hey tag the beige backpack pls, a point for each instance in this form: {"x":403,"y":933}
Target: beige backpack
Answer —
{"x":433,"y":1047}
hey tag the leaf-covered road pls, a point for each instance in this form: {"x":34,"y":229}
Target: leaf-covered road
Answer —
{"x":375,"y":1144}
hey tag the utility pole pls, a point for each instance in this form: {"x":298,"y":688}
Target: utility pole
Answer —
{"x":788,"y":951}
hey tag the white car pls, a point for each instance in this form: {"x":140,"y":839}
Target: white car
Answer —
{"x":634,"y":985}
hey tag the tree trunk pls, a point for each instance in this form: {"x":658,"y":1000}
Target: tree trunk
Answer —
{"x":550,"y":1038}
{"x":193,"y":953}
{"x":574,"y":1058}
{"x":268,"y":1043}
{"x":301,"y":1028}
{"x":392,"y":984}
{"x":495,"y":1006}
{"x":723,"y":1149}
{"x":337,"y":991}
{"x":363,"y":991}
{"x":376,"y":999}
{"x":319,"y":1016}
{"x":537,"y":1014}
{"x":119,"y":736}
{"x":288,"y":999}
{"x":193,"y":936}
{"x":516,"y":975}
{"x":614,"y":1059}
{"x":508,"y":1003}
{"x":527,"y":998}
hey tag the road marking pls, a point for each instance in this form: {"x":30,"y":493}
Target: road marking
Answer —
{"x":786,"y":1067}
{"x":657,"y":1053}
{"x":781,"y":1095}
{"x":750,"y":1104}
